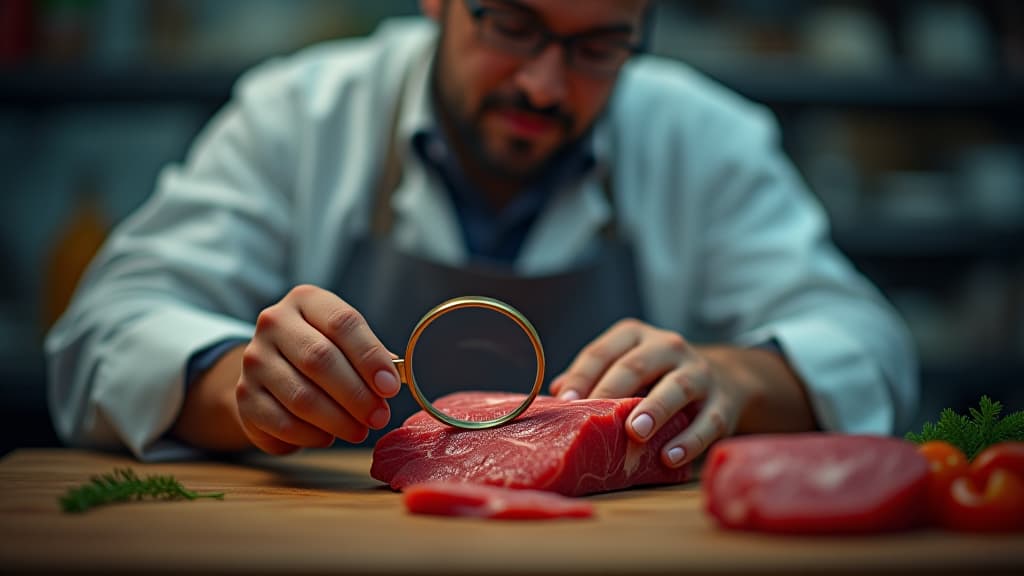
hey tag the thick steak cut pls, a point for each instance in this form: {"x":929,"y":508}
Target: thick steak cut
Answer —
{"x":480,"y":501}
{"x":572,"y":448}
{"x":815,"y":483}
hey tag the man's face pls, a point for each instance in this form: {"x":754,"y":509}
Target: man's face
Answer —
{"x":515,"y":108}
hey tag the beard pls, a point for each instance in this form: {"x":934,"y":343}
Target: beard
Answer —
{"x":465,"y":126}
{"x":518,"y":157}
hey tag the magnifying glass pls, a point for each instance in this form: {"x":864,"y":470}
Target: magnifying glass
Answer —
{"x":472,"y":344}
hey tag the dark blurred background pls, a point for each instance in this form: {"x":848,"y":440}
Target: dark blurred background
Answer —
{"x":905,"y":118}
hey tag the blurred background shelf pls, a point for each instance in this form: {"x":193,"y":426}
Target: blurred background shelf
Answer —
{"x":42,"y":87}
{"x":890,"y":91}
{"x":953,"y":242}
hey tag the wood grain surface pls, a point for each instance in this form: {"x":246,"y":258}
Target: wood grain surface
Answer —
{"x":319,"y":513}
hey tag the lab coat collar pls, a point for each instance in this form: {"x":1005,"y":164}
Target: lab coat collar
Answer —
{"x":425,"y":218}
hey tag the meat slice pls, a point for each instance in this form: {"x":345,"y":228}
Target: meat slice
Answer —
{"x":815,"y":483}
{"x":480,"y":501}
{"x":573,"y":448}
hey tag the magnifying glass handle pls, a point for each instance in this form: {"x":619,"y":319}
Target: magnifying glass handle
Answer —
{"x":401,"y":367}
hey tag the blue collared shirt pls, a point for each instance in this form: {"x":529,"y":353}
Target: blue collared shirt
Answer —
{"x":496,"y":236}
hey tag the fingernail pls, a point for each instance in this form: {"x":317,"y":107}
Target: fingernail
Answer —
{"x":386,"y":383}
{"x":643,"y":424}
{"x":379,"y":418}
{"x":676,"y":454}
{"x":569,"y":395}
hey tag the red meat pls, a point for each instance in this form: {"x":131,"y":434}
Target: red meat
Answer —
{"x":480,"y":501}
{"x":573,"y":448}
{"x":815,"y":483}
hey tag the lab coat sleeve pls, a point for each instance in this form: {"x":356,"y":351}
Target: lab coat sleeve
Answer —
{"x":193,"y":266}
{"x":770,"y":271}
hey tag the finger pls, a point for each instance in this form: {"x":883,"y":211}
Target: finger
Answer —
{"x":347,"y":328}
{"x":245,"y":396}
{"x":271,"y":371}
{"x":268,"y":443}
{"x":320,"y":386}
{"x":657,"y":353}
{"x":265,"y":413}
{"x":595,"y":358}
{"x":715,"y":421}
{"x":310,"y":403}
{"x":675,"y":391}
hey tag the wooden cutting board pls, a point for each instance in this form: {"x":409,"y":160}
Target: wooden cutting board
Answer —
{"x":320,"y":512}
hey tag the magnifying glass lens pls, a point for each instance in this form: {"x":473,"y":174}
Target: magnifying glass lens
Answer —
{"x":475,"y":350}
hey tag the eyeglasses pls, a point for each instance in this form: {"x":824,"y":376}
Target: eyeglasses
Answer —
{"x":518,"y":31}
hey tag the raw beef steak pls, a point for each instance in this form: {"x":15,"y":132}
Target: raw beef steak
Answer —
{"x":815,"y":483}
{"x":572,"y":448}
{"x":480,"y":501}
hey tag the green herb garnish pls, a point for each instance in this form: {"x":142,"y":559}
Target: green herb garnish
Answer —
{"x":123,"y":485}
{"x":971,"y":435}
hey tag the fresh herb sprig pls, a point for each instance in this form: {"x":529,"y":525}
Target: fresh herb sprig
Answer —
{"x":973,"y":434}
{"x":124,"y":485}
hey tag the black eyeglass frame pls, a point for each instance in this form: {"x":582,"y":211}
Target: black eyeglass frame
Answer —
{"x":478,"y":11}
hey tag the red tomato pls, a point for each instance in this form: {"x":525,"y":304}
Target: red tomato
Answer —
{"x":946,"y":463}
{"x":996,"y":506}
{"x":1008,"y":456}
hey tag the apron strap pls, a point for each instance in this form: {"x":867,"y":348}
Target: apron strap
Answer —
{"x":610,"y":230}
{"x":383,"y":216}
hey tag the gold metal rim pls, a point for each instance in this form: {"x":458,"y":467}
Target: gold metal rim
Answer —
{"x":405,"y":365}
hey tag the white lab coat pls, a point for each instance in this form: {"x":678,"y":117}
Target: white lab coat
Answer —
{"x":729,"y":243}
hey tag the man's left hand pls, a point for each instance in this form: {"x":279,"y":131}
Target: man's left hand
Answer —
{"x":632,"y":356}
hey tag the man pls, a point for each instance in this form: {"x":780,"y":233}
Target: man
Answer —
{"x":641,"y":214}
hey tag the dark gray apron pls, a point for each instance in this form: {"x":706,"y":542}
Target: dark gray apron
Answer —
{"x":394,"y":289}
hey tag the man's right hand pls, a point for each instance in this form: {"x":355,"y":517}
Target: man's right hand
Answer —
{"x":313,"y":371}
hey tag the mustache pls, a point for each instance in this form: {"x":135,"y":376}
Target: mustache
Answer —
{"x":519,"y":102}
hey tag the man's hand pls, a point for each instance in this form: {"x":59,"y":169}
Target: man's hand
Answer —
{"x":740,"y":388}
{"x":313,"y":371}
